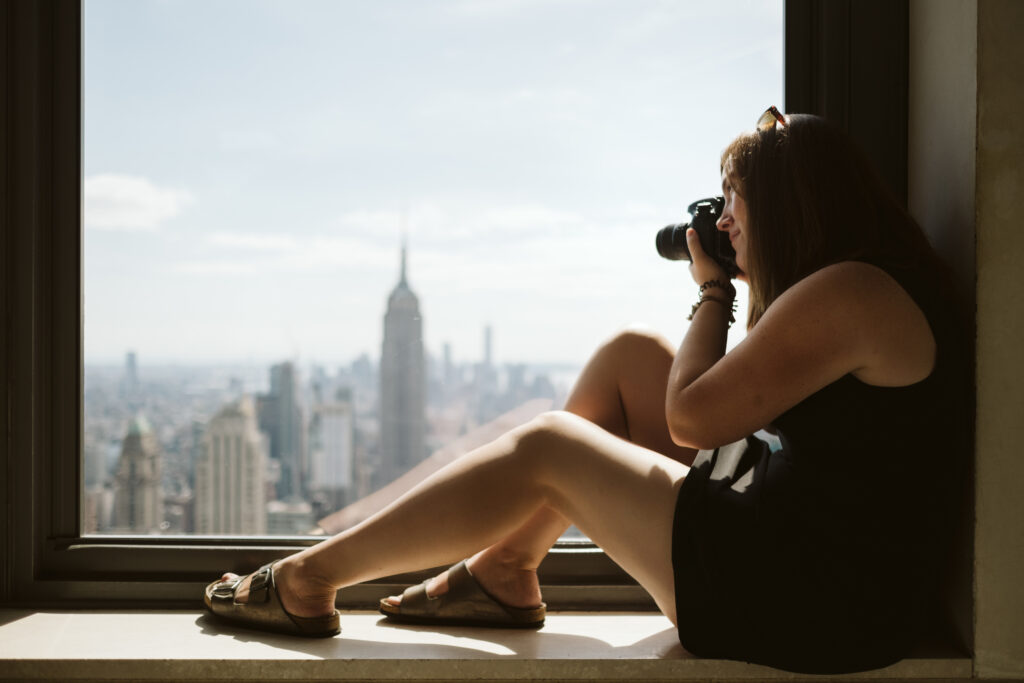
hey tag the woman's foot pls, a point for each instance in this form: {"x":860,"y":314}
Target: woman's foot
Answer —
{"x":302,"y":594}
{"x":503,"y":578}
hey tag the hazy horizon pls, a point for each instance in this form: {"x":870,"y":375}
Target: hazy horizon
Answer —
{"x":252,"y":168}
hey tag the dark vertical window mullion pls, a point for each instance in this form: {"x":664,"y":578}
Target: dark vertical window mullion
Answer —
{"x":848,"y":62}
{"x":878,"y":106}
{"x":42,"y":312}
{"x":800,"y":70}
{"x":817,"y":69}
{"x":65,"y":277}
{"x":7,"y":478}
{"x":48,"y":480}
{"x":27,"y":152}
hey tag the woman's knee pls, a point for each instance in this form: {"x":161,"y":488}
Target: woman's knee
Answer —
{"x":638,"y":342}
{"x":548,"y":430}
{"x":553,"y":439}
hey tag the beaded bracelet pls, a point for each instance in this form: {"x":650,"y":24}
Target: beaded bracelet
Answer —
{"x":727,"y":286}
{"x":730,"y":307}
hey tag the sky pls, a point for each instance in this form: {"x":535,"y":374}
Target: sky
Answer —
{"x":251,"y":169}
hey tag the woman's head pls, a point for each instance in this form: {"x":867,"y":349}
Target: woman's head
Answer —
{"x":811,"y":201}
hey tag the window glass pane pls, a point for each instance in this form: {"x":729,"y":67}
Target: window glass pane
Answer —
{"x":331,"y":246}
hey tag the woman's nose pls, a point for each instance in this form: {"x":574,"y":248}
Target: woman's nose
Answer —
{"x":723,"y":222}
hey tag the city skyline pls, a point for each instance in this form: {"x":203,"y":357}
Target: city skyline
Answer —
{"x":189,"y":443}
{"x":308,"y":447}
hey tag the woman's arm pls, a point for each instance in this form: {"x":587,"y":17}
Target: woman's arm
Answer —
{"x":846,"y":318}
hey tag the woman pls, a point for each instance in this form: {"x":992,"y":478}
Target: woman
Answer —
{"x":814,"y":558}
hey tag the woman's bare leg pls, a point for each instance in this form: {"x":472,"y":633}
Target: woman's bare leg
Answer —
{"x":622,"y":390}
{"x":558,"y":461}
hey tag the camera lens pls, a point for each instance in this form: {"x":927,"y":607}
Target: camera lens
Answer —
{"x":671,"y":242}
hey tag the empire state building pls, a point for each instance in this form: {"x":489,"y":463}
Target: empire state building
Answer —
{"x":402,"y":383}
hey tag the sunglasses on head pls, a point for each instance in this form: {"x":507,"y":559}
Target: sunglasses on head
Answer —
{"x":769,"y":118}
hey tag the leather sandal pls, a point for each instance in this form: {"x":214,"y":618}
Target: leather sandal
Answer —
{"x":465,"y":604}
{"x":263,"y":610}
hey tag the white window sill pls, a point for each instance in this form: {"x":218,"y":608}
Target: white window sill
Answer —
{"x":187,"y":645}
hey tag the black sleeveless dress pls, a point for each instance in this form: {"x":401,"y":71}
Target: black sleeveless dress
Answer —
{"x":822,"y":557}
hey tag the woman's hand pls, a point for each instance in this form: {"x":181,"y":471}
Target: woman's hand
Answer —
{"x":702,"y":267}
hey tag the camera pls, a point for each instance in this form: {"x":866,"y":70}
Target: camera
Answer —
{"x":704,"y":214}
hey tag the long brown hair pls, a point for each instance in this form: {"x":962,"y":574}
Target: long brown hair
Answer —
{"x":813,"y":200}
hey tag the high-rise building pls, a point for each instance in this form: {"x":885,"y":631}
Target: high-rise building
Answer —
{"x":230,"y":473}
{"x":290,"y":518}
{"x":485,"y":382}
{"x":138,"y":499}
{"x":402,"y":382}
{"x":130,"y":393}
{"x":280,"y":416}
{"x":131,"y":372}
{"x":448,"y":370}
{"x":488,"y":346}
{"x":331,"y":451}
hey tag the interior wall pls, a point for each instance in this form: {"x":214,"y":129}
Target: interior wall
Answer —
{"x":999,"y":543}
{"x":966,"y":187}
{"x":942,"y":125}
{"x":941,"y":168}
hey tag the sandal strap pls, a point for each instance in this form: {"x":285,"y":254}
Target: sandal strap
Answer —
{"x":417,"y":597}
{"x":261,"y":582}
{"x":225,"y":590}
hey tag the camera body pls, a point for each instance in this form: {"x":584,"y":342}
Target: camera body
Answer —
{"x":704,"y":214}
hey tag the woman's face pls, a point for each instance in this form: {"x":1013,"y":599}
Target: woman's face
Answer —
{"x":734,"y":217}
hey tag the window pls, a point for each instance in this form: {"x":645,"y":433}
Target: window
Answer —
{"x":472,"y":169}
{"x":47,"y":558}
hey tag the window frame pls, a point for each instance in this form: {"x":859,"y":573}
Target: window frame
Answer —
{"x":45,"y":561}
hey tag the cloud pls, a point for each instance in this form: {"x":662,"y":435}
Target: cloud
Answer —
{"x":377,"y":224}
{"x":238,"y":253}
{"x":445,"y":239}
{"x":124,"y":202}
{"x":252,"y":241}
{"x":495,"y":8}
{"x":500,"y":108}
{"x":442,"y":224}
{"x":531,"y":219}
{"x":250,"y":140}
{"x":330,"y":252}
{"x":219,"y":267}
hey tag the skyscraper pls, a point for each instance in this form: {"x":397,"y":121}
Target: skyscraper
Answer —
{"x":130,"y":386}
{"x":280,"y":416}
{"x":485,"y":380}
{"x":402,"y":382}
{"x":488,"y":346}
{"x":230,"y":472}
{"x":138,"y":501}
{"x":332,"y":451}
